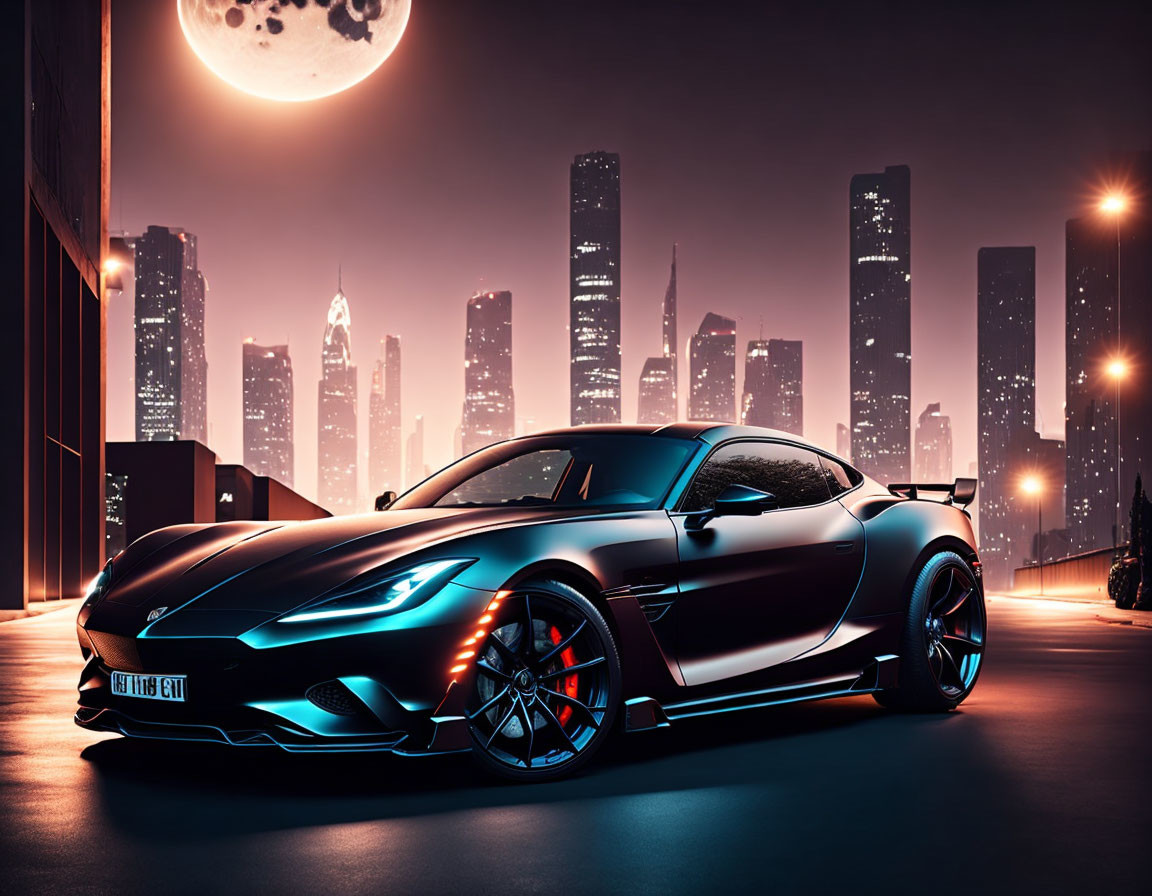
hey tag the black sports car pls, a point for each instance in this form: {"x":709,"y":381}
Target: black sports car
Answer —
{"x":522,"y":600}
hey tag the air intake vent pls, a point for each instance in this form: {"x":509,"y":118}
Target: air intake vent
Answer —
{"x":116,"y":651}
{"x":334,"y":697}
{"x":655,"y":610}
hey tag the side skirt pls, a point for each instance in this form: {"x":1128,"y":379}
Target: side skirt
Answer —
{"x":644,"y":713}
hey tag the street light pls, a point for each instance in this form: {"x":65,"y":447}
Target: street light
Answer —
{"x":1117,"y":369}
{"x":1031,"y":485}
{"x":1115,"y":204}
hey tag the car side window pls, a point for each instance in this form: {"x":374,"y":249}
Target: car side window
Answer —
{"x":839,"y":477}
{"x":792,"y":474}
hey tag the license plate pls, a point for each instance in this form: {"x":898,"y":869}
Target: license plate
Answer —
{"x":150,"y":687}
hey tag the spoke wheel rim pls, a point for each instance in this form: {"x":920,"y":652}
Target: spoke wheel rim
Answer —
{"x":541,"y":688}
{"x":954,"y":629}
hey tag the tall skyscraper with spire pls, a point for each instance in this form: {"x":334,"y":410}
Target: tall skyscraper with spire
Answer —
{"x":880,"y":322}
{"x":594,"y":310}
{"x":336,"y":412}
{"x":489,"y":404}
{"x":712,"y":370}
{"x":660,"y":379}
{"x":384,"y":446}
{"x":268,"y":429}
{"x":171,"y":367}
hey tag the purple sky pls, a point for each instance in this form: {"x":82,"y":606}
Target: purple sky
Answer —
{"x":738,"y":128}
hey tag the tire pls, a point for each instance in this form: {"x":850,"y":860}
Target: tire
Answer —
{"x":943,"y":640}
{"x":528,"y":720}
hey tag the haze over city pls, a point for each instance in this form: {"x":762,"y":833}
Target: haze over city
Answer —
{"x":446,"y":172}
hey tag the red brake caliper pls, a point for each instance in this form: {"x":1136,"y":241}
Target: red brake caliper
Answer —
{"x":570,"y":684}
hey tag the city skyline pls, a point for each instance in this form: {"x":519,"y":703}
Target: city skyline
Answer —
{"x":269,"y":407}
{"x":710,"y":194}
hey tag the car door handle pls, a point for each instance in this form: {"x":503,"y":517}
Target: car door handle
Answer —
{"x":845,"y":547}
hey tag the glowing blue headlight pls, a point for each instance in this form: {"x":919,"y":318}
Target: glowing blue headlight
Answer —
{"x":397,"y":591}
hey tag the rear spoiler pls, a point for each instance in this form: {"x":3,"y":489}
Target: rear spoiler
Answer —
{"x":961,"y":492}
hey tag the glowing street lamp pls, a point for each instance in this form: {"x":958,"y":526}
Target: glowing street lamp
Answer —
{"x":1117,"y":369}
{"x":1113,"y":204}
{"x":1032,"y":485}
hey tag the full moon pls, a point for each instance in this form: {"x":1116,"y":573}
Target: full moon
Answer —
{"x":293,"y":50}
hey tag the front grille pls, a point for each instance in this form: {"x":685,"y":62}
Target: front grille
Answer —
{"x":333,"y":696}
{"x":116,"y":651}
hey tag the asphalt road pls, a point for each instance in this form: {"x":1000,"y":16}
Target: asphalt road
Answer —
{"x":1040,"y":784}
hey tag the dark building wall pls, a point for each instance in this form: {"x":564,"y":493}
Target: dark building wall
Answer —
{"x":164,"y":484}
{"x":53,"y":213}
{"x":657,"y":395}
{"x":594,"y":323}
{"x":880,"y":303}
{"x":384,"y":415}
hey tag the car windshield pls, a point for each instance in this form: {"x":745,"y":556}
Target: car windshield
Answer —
{"x":580,"y":470}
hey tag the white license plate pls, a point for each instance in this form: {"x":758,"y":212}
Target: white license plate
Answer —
{"x":150,"y":687}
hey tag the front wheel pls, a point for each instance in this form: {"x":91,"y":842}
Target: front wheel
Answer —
{"x":942,"y":645}
{"x":546,"y":686}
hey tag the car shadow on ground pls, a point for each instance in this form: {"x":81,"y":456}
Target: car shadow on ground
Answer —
{"x":165,"y":790}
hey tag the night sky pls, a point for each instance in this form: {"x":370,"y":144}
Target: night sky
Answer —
{"x":739,"y":127}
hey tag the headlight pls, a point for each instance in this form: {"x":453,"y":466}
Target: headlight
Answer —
{"x":378,"y":596}
{"x":98,"y":587}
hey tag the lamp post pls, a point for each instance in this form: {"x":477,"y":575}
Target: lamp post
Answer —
{"x":1117,"y":369}
{"x":1115,"y":204}
{"x":1033,"y":486}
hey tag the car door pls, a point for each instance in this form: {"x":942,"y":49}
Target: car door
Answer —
{"x":759,"y":590}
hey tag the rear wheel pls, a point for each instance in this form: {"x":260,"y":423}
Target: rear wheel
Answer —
{"x":546,"y":687}
{"x":942,"y":645}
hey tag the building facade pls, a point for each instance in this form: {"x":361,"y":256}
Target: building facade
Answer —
{"x":489,"y":403}
{"x":384,"y":447}
{"x":712,"y":370}
{"x":1005,"y":404}
{"x":671,"y":348}
{"x":933,"y":462}
{"x":843,"y":441}
{"x":336,"y":413}
{"x":594,"y":310}
{"x":171,"y":367}
{"x":53,"y":223}
{"x":880,"y":323}
{"x":657,"y":397}
{"x":414,"y":458}
{"x":269,"y":449}
{"x":774,"y":385}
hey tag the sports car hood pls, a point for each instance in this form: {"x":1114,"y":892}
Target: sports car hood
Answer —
{"x":270,"y":568}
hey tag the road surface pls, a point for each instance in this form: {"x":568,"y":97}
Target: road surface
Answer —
{"x":1040,"y":784}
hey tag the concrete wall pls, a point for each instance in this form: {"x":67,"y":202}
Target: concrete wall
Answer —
{"x":1083,"y":575}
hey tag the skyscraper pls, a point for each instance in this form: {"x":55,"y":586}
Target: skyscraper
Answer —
{"x":594,"y":312}
{"x":384,"y":446}
{"x":843,"y":441}
{"x":1103,"y":253}
{"x":880,"y":322}
{"x":336,"y":413}
{"x":489,"y":404}
{"x":657,"y":401}
{"x":1005,"y":404}
{"x":53,"y":214}
{"x":671,"y":346}
{"x":712,"y":364}
{"x":933,"y":446}
{"x":171,"y":368}
{"x":774,"y":385}
{"x":415,"y":454}
{"x":268,"y":427}
{"x":659,"y":380}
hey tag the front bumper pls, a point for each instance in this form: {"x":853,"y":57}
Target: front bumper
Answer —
{"x":373,"y":685}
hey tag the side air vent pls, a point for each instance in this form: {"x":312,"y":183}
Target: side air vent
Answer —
{"x":116,"y":651}
{"x":654,"y":610}
{"x":334,"y":697}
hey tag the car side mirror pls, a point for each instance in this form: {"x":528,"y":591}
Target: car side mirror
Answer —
{"x":735,"y":500}
{"x":384,"y":501}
